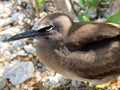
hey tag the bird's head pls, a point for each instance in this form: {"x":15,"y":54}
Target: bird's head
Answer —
{"x":51,"y":27}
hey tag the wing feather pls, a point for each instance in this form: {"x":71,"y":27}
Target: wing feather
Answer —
{"x":96,"y":46}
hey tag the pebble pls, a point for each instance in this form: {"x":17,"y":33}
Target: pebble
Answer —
{"x":45,"y":79}
{"x":21,"y":53}
{"x":34,"y":41}
{"x":74,"y":83}
{"x":63,"y":80}
{"x":5,"y":9}
{"x":39,"y":65}
{"x":16,"y":44}
{"x":6,"y":88}
{"x":8,"y":55}
{"x":3,"y":46}
{"x":38,"y":75}
{"x":59,"y":76}
{"x":45,"y":68}
{"x":53,"y":80}
{"x":118,"y":79}
{"x":1,"y":71}
{"x":4,"y":37}
{"x":29,"y":49}
{"x":18,"y":72}
{"x":11,"y":31}
{"x":19,"y":17}
{"x":2,"y":83}
{"x":5,"y":22}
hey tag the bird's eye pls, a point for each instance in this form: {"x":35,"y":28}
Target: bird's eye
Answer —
{"x":46,"y":28}
{"x":49,"y":28}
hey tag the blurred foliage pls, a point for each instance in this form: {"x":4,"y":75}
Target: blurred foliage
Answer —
{"x":85,"y":15}
{"x":40,"y":2}
{"x":85,"y":19}
{"x":87,"y":7}
{"x":115,"y":18}
{"x":90,"y":5}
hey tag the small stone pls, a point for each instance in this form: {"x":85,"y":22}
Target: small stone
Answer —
{"x":3,"y":46}
{"x":27,"y":20}
{"x":11,"y":31}
{"x":6,"y":88}
{"x":18,"y":72}
{"x":2,"y":83}
{"x":45,"y":68}
{"x":14,"y":88}
{"x":43,"y":14}
{"x":53,"y":81}
{"x":16,"y":44}
{"x":63,"y":80}
{"x":5,"y":9}
{"x":4,"y":37}
{"x":29,"y":49}
{"x":52,"y":73}
{"x":21,"y":53}
{"x":27,"y":57}
{"x":38,"y":75}
{"x":6,"y":21}
{"x":58,"y":76}
{"x":34,"y":41}
{"x":118,"y":79}
{"x":3,"y":50}
{"x":8,"y":55}
{"x":73,"y":83}
{"x":45,"y":79}
{"x":1,"y":71}
{"x":39,"y":65}
{"x":45,"y":74}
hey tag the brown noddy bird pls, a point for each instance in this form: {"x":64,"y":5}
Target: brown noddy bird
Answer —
{"x":80,"y":51}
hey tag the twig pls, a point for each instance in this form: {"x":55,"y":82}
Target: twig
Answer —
{"x":73,"y":8}
{"x":37,"y":8}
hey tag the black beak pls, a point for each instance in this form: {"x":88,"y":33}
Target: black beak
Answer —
{"x":31,"y":33}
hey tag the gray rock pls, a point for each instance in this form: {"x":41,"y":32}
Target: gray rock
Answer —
{"x":5,"y":22}
{"x":2,"y":83}
{"x":29,"y":49}
{"x":16,"y":44}
{"x":11,"y":31}
{"x":38,"y":75}
{"x":53,"y":81}
{"x":64,"y":81}
{"x":5,"y":9}
{"x":18,"y":72}
{"x":21,"y":53}
{"x":45,"y":68}
{"x":74,"y":83}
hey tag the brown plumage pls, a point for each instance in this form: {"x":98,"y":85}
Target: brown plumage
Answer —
{"x":80,"y":51}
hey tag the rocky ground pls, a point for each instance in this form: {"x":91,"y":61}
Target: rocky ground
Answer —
{"x":20,"y":68}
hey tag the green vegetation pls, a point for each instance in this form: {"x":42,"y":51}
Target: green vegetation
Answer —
{"x":115,"y":18}
{"x":40,"y":1}
{"x":90,"y":5}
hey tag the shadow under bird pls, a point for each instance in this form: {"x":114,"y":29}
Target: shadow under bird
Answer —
{"x":80,"y":51}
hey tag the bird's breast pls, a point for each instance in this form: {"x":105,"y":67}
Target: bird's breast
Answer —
{"x":99,"y":65}
{"x":47,"y":55}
